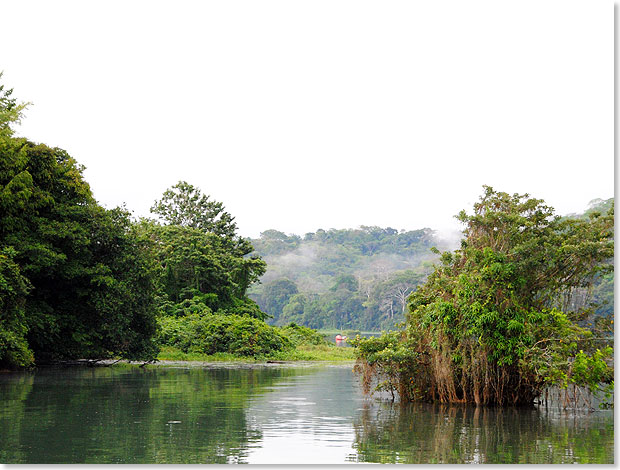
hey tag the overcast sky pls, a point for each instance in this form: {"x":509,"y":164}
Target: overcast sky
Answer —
{"x":301,"y":115}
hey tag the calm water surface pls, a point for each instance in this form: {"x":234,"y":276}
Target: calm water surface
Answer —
{"x":268,"y":414}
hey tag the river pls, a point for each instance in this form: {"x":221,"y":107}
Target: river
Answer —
{"x":301,"y":413}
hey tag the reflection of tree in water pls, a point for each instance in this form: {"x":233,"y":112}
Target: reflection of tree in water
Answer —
{"x":421,"y":433}
{"x":13,"y":393}
{"x":110,"y":415}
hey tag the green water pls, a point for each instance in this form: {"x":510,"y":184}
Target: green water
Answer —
{"x":269,"y":414}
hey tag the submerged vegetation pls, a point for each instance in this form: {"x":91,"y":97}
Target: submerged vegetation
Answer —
{"x":496,"y":322}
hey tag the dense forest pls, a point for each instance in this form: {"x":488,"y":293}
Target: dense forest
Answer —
{"x":343,"y":279}
{"x":360,"y":279}
{"x":78,"y":280}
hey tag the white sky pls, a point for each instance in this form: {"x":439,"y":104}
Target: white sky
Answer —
{"x":301,"y":115}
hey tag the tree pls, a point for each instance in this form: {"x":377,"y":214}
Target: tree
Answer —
{"x":198,"y":272}
{"x":487,"y":328}
{"x":75,"y":280}
{"x":204,"y":265}
{"x":275,"y":297}
{"x":186,"y":206}
{"x":11,"y":111}
{"x":293,"y":311}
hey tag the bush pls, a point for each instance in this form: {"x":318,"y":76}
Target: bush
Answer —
{"x":303,"y":335}
{"x":210,"y":334}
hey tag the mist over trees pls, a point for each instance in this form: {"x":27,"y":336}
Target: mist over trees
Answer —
{"x":343,"y":279}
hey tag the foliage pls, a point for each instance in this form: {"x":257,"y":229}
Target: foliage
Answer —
{"x":202,"y":263}
{"x":11,"y":110}
{"x":276,"y":295}
{"x":210,"y":334}
{"x":389,"y":361}
{"x":14,"y":350}
{"x":385,"y":266}
{"x":341,"y":278}
{"x":90,"y":278}
{"x":302,"y":335}
{"x":348,"y":304}
{"x":184,"y":205}
{"x":486,"y":327}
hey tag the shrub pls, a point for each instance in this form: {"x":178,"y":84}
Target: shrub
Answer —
{"x":210,"y":334}
{"x":302,"y":335}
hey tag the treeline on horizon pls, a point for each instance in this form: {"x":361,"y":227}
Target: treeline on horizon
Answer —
{"x":360,"y":279}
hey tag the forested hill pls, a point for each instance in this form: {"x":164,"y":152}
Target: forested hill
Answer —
{"x":345,"y":279}
{"x":360,"y":278}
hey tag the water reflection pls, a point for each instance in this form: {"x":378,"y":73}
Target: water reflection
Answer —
{"x":421,"y":433}
{"x":279,"y":414}
{"x":309,"y":421}
{"x":155,"y":415}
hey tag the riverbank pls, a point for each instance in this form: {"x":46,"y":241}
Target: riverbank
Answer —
{"x":300,"y":353}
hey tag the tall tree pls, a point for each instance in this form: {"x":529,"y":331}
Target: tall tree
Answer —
{"x":185,"y":205}
{"x":203,"y":262}
{"x":487,"y":326}
{"x":11,"y":110}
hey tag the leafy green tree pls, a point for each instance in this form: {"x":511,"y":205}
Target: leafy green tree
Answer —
{"x":601,"y":292}
{"x":303,"y":335}
{"x":198,"y":271}
{"x":211,"y":334}
{"x":276,"y":295}
{"x":346,"y":282}
{"x":293,"y":311}
{"x":75,"y":277}
{"x":186,"y":206}
{"x":491,"y":324}
{"x":11,"y":110}
{"x":204,"y":263}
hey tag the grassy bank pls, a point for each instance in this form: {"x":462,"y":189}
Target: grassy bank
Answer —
{"x":303,"y":352}
{"x":331,"y":333}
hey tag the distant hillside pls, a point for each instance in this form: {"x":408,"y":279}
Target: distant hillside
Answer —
{"x":351,"y":278}
{"x":602,"y":296}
